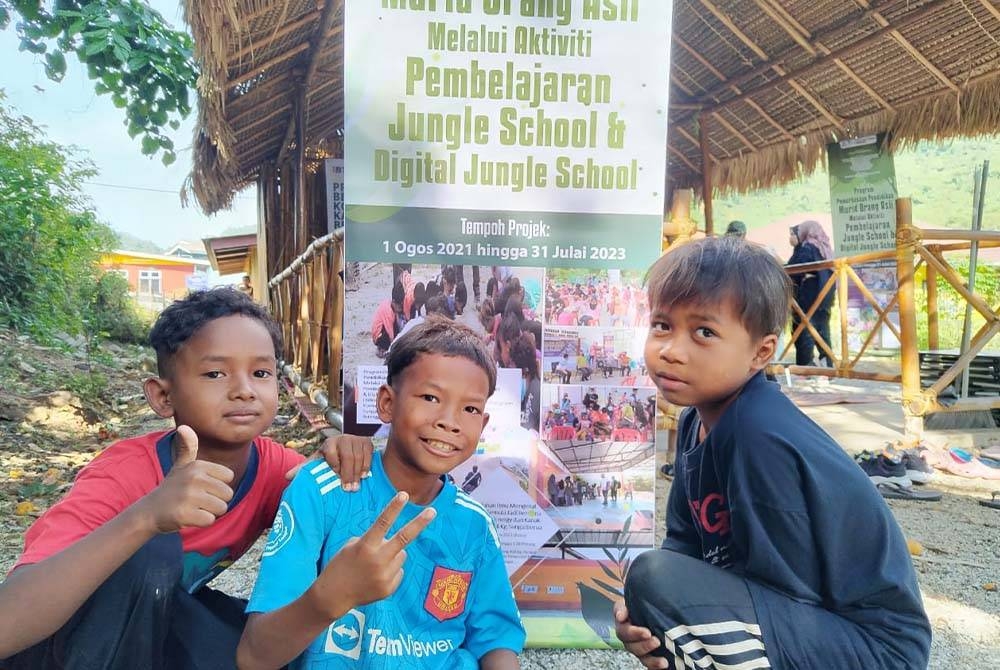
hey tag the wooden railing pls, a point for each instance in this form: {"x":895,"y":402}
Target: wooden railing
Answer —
{"x":914,"y":248}
{"x":307,"y":299}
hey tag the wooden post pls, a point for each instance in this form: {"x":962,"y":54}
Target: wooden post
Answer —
{"x":336,"y":287}
{"x":932,"y":305}
{"x":914,"y":404}
{"x":301,"y":204}
{"x":678,"y":227}
{"x":845,"y":355}
{"x":706,"y":173}
{"x":260,"y":268}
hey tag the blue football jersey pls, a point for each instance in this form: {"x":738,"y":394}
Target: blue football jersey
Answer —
{"x":454,"y":605}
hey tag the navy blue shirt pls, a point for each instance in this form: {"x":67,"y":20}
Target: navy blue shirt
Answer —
{"x":771,"y":496}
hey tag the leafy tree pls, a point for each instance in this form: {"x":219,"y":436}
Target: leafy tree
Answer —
{"x":50,"y":241}
{"x":127,"y":47}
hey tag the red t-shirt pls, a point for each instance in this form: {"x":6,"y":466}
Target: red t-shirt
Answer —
{"x":128,"y":470}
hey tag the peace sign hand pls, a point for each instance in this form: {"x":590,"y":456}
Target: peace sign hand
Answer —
{"x":368,"y":568}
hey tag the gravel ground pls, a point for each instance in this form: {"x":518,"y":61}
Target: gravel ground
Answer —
{"x":958,"y":565}
{"x":961,"y":558}
{"x":45,"y":438}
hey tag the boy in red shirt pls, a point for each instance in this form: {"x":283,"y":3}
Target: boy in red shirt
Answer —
{"x":114,"y":574}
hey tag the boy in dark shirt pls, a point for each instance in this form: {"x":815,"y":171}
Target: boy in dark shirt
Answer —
{"x":113,"y":575}
{"x":779,"y":551}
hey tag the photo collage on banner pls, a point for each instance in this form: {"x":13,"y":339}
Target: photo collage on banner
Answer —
{"x":507,"y":172}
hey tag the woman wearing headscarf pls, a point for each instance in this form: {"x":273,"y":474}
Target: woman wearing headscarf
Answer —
{"x":811,"y":244}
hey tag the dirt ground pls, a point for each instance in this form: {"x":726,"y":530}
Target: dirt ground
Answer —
{"x":60,"y":405}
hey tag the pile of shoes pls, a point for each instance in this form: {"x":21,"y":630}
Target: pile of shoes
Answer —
{"x":895,"y":470}
{"x":991,"y":455}
{"x":977,"y":464}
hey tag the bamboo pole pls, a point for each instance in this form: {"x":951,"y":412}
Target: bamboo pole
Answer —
{"x":956,"y":282}
{"x":842,"y":309}
{"x":817,"y":371}
{"x":706,"y":173}
{"x":984,"y":335}
{"x":308,"y":319}
{"x":945,"y":234}
{"x":932,"y":308}
{"x":337,"y":327}
{"x":913,"y":400}
{"x":319,"y":293}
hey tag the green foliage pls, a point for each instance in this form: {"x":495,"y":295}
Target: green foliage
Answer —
{"x":89,"y":387}
{"x":128,"y":48}
{"x":49,"y":241}
{"x":951,"y":305}
{"x":110,"y":312}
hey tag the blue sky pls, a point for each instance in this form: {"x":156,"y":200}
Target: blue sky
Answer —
{"x":72,"y":114}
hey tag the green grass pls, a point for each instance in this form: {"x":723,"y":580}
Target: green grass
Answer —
{"x":938,"y":178}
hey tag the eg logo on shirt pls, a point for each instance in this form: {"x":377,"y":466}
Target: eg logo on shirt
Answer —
{"x":344,"y":636}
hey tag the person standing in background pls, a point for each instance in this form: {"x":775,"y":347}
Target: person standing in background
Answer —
{"x":811,"y":244}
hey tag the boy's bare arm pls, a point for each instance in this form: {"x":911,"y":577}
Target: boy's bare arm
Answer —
{"x":366,"y":569}
{"x":195,"y":493}
{"x":499,"y":659}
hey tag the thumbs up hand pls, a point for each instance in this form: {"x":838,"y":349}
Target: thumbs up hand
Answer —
{"x":186,"y":444}
{"x":194,"y":493}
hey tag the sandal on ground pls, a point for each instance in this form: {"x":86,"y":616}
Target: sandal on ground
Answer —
{"x":994,"y":503}
{"x":900,"y":492}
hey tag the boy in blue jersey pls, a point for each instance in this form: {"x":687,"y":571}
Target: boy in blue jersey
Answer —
{"x":779,"y":551}
{"x":327,"y":599}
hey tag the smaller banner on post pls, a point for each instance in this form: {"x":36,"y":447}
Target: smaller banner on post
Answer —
{"x":862,"y":195}
{"x":863,"y":208}
{"x":334,"y":169}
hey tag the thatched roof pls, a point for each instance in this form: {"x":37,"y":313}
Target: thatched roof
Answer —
{"x":766,"y":83}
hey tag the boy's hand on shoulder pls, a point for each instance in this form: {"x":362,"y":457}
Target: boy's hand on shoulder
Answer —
{"x":350,"y":456}
{"x":638,"y":641}
{"x":368,"y":568}
{"x":194,"y":493}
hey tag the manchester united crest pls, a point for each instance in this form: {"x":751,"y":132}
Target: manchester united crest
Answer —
{"x":446,"y":595}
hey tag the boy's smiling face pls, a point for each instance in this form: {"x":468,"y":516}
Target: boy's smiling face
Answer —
{"x":437,"y":408}
{"x":701,"y":355}
{"x":221,"y":383}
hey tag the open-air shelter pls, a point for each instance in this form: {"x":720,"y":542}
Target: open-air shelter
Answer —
{"x":758,"y":88}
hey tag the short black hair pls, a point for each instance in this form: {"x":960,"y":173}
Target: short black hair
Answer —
{"x":437,"y":304}
{"x":439,"y":335}
{"x":182,"y":319}
{"x":398,"y":293}
{"x":711,"y":270}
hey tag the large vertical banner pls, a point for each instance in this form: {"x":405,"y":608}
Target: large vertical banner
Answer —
{"x":504,"y":165}
{"x":863,"y":209}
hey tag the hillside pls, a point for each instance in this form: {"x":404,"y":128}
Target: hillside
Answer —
{"x":938,"y":177}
